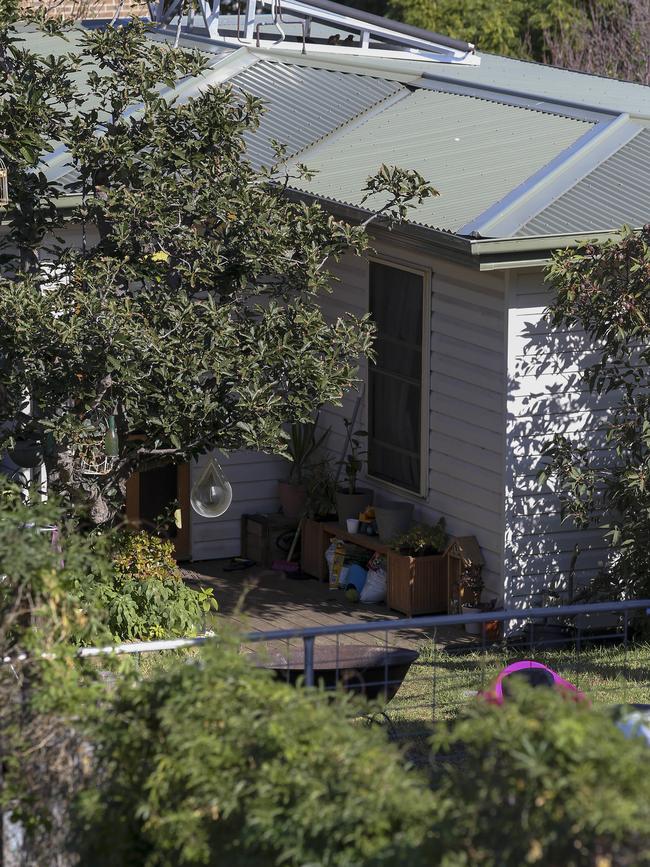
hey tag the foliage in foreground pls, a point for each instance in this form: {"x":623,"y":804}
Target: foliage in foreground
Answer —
{"x":603,"y":292}
{"x":85,"y":589}
{"x":543,"y":780}
{"x":56,"y":594}
{"x":217,"y":763}
{"x":208,"y":760}
{"x":42,"y":589}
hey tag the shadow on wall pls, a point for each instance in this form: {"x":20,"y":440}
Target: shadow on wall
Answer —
{"x":547,"y":394}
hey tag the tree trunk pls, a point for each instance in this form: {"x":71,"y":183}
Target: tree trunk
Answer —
{"x":65,"y":478}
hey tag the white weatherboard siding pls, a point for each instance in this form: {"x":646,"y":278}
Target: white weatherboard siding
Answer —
{"x":546,"y":395}
{"x":254,"y":479}
{"x":466,"y":396}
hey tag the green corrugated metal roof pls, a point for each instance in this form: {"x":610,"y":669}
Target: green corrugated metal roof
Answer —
{"x":474,"y":151}
{"x":469,"y":136}
{"x":303,"y":104}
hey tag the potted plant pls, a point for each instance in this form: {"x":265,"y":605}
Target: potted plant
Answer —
{"x":471,"y":589}
{"x":422,"y":540}
{"x":423,"y":566}
{"x":351,"y":500}
{"x":301,"y":448}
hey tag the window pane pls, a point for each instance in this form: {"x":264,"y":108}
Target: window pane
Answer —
{"x":395,"y":380}
{"x":394,"y":411}
{"x":396,"y":303}
{"x":398,"y":358}
{"x":391,"y":466}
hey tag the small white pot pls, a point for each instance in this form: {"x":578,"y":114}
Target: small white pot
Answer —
{"x":471,"y":628}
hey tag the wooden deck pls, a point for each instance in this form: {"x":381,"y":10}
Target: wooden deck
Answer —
{"x":259,"y":599}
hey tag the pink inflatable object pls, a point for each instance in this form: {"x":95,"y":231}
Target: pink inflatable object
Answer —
{"x":535,"y":674}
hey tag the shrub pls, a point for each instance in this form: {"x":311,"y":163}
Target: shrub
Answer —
{"x":155,"y":608}
{"x":218,"y":763}
{"x":144,"y":596}
{"x":144,"y":556}
{"x":543,"y":780}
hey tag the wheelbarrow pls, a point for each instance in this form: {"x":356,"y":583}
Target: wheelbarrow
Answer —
{"x":368,"y":671}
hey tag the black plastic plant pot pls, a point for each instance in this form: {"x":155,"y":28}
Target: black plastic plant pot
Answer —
{"x":367,"y":671}
{"x":27,"y":454}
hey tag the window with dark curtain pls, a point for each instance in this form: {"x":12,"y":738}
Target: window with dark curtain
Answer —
{"x":395,"y":379}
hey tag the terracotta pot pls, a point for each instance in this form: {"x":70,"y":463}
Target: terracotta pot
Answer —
{"x":351,"y":505}
{"x":293,"y":499}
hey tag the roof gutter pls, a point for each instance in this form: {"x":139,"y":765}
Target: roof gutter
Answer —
{"x":493,"y":254}
{"x":484,"y":254}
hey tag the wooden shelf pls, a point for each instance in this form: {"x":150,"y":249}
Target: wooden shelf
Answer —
{"x":360,"y":539}
{"x":416,"y":585}
{"x":316,"y":538}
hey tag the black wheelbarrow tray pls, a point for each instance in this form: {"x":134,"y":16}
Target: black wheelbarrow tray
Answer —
{"x":373,"y":672}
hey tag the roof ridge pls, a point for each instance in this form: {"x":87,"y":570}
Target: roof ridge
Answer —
{"x":505,"y":217}
{"x":563,"y":69}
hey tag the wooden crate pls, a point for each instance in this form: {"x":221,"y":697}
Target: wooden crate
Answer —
{"x":259,"y":534}
{"x":423,"y":585}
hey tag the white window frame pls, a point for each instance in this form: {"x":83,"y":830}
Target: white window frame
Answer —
{"x":425,"y":374}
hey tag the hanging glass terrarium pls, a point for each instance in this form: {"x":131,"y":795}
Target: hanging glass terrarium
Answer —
{"x":212,"y":494}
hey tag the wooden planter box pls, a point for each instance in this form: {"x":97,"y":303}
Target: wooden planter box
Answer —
{"x":423,"y":585}
{"x":313,"y":544}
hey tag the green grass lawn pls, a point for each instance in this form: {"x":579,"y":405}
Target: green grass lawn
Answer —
{"x":442,"y":682}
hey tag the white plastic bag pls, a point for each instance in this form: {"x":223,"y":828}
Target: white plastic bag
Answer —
{"x":374,"y":590}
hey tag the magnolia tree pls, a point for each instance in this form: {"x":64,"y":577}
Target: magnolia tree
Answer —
{"x":604,"y":290}
{"x":187,"y":316}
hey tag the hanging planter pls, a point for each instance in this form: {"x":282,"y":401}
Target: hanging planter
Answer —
{"x":97,"y":452}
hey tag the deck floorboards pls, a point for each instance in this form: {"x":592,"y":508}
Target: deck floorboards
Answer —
{"x":259,"y":599}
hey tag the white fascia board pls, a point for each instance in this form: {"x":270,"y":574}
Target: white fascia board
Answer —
{"x":507,"y":216}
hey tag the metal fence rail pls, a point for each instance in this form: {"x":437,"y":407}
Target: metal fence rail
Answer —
{"x":424,"y":669}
